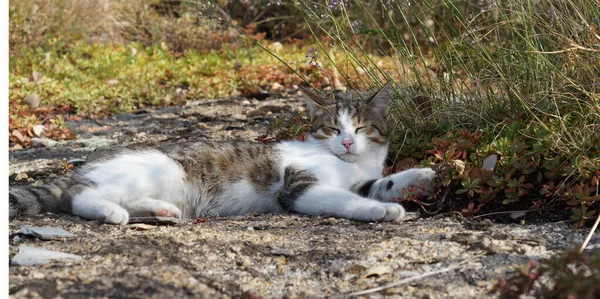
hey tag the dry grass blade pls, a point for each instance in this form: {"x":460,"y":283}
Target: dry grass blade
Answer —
{"x":589,"y":236}
{"x":416,"y":277}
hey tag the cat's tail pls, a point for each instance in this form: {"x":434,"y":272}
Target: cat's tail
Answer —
{"x":52,"y":197}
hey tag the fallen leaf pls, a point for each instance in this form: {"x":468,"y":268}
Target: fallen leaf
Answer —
{"x":518,"y":214}
{"x":406,"y":163}
{"x":38,"y":130}
{"x":200,"y":220}
{"x":15,"y":147}
{"x":18,"y":135}
{"x":481,"y":174}
{"x":490,"y":162}
{"x":378,"y":270}
{"x":141,"y":226}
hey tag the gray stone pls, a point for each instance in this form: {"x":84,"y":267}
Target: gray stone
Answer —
{"x":32,"y":100}
{"x":47,"y":233}
{"x":95,"y":142}
{"x":154,"y":220}
{"x":29,"y":256}
{"x":44,"y":142}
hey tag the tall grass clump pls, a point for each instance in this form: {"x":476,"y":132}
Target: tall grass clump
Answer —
{"x":516,"y":79}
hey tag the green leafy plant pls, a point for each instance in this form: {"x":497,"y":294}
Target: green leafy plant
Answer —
{"x":570,"y":274}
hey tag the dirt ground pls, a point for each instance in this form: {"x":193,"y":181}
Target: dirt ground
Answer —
{"x":254,"y":256}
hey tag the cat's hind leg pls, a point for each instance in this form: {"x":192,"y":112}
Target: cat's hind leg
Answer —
{"x":147,"y":206}
{"x":90,"y":204}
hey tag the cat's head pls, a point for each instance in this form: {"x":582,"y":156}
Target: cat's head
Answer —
{"x":350,"y":126}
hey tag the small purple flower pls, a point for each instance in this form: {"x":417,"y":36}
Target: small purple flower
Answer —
{"x":335,"y":4}
{"x":311,"y":58}
{"x":355,"y":25}
{"x":312,"y":53}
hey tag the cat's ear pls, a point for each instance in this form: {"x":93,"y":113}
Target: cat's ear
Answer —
{"x":316,"y":100}
{"x":381,"y":100}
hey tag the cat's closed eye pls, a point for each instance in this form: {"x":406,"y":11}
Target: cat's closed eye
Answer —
{"x":368,"y":130}
{"x":331,"y":130}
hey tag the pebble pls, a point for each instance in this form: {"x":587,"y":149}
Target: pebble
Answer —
{"x":32,"y":100}
{"x":276,"y":87}
{"x":29,"y":256}
{"x":38,"y":130}
{"x":47,"y":233}
{"x":95,"y":142}
{"x":44,"y":142}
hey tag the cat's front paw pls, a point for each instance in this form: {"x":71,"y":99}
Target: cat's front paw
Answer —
{"x":416,"y":180}
{"x":113,"y":214}
{"x":385,"y":212}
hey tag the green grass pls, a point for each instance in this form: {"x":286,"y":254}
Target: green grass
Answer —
{"x":523,"y":73}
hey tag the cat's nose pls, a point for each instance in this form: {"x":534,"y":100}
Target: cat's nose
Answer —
{"x":347,"y":144}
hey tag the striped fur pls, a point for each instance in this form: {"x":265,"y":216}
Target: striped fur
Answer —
{"x":295,"y":183}
{"x":54,"y":197}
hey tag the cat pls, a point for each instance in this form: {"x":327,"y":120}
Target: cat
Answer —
{"x":336,"y":172}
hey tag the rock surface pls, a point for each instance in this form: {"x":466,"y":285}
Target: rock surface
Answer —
{"x":253,"y":256}
{"x":31,"y":256}
{"x":47,"y":233}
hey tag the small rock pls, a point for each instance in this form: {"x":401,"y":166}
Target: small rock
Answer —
{"x":32,"y":100}
{"x":276,"y":87}
{"x":112,"y":82}
{"x":178,"y":92}
{"x":95,"y":142}
{"x":16,"y":239}
{"x":38,"y":130}
{"x":38,"y":275}
{"x":276,"y":46}
{"x":21,"y":176}
{"x":43,"y":142}
{"x":47,"y":233}
{"x":154,"y":220}
{"x":250,"y":228}
{"x":29,"y":256}
{"x":282,"y":252}
{"x":192,"y":103}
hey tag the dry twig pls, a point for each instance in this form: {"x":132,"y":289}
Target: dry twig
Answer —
{"x":587,"y":240}
{"x":413,"y":278}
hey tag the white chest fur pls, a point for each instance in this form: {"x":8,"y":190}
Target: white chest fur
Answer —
{"x":329,"y":169}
